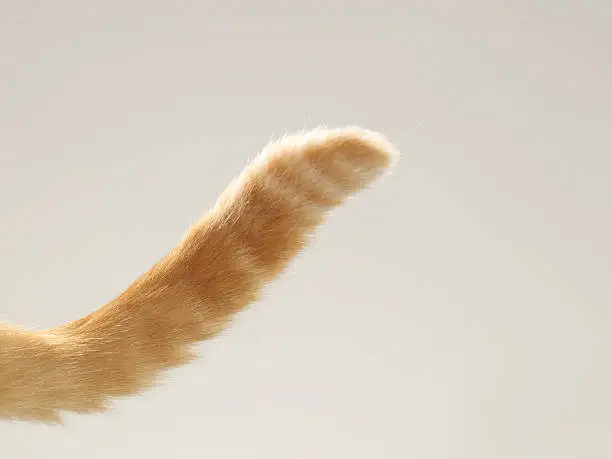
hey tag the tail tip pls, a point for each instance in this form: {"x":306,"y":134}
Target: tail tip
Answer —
{"x":375,"y":142}
{"x":370,"y":151}
{"x":360,"y":155}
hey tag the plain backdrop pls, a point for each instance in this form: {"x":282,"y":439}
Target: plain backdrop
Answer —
{"x":461,"y":309}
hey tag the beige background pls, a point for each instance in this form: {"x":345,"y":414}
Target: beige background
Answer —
{"x":462,"y":309}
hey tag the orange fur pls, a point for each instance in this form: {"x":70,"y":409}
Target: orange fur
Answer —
{"x":259,"y":223}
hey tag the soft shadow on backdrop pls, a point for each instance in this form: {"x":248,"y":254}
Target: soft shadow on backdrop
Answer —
{"x":462,"y":309}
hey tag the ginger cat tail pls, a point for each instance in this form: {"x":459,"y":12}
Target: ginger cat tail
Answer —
{"x":258,"y":225}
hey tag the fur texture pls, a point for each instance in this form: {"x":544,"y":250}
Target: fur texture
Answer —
{"x":258,"y":225}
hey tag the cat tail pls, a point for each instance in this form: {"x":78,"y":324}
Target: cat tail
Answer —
{"x":257,"y":226}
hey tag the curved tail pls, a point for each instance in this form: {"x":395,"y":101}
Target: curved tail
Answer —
{"x":258,"y":225}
